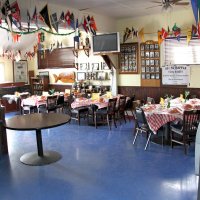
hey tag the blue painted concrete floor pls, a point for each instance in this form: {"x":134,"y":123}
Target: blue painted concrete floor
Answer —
{"x":96,"y":164}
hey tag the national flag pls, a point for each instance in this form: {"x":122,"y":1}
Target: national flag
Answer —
{"x":67,"y":18}
{"x":194,"y":30}
{"x":72,"y":22}
{"x":62,"y":17}
{"x":28,"y":20}
{"x":45,"y":15}
{"x":54,"y":21}
{"x":198,"y":29}
{"x":93,"y":26}
{"x":15,"y":11}
{"x":35,"y":17}
{"x":160,"y":40}
{"x":189,"y":36}
{"x":195,"y":9}
{"x":164,"y":33}
{"x":84,"y":24}
{"x":141,"y":34}
{"x":88,"y":23}
{"x":5,"y":8}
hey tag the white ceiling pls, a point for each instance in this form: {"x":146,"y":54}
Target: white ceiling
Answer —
{"x":118,"y":9}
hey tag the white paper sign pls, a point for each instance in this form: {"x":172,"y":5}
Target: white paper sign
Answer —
{"x":176,"y":75}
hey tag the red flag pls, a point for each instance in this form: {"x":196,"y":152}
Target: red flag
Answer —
{"x":164,"y":33}
{"x":15,"y":11}
{"x":93,"y":24}
{"x":67,"y":18}
{"x":85,"y":25}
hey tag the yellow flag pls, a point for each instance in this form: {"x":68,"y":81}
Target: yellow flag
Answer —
{"x":141,"y":35}
{"x":189,"y":35}
{"x":160,"y":40}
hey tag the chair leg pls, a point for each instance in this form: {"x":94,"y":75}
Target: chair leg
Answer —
{"x":79,"y":119}
{"x":108,"y":121}
{"x":135,"y":136}
{"x":171,"y":135}
{"x":147,"y":141}
{"x":95,"y":120}
{"x":114,"y":121}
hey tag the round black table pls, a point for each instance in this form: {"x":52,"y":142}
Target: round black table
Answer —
{"x":37,"y":122}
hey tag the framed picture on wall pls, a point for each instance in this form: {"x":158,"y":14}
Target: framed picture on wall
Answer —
{"x":95,"y":66}
{"x":20,"y":71}
{"x":81,"y":76}
{"x":84,"y":66}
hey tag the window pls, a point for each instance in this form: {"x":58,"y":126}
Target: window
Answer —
{"x":2,"y":74}
{"x":179,"y":52}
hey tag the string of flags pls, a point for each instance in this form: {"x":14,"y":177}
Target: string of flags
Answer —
{"x":194,"y":31}
{"x":12,"y":15}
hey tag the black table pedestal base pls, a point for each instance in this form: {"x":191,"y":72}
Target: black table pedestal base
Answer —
{"x":48,"y":157}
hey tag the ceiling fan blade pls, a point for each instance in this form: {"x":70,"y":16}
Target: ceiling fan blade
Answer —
{"x":174,"y":1}
{"x":155,"y":1}
{"x":182,"y":4}
{"x":154,"y":6}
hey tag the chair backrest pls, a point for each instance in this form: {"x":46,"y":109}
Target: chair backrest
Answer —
{"x":60,"y":100}
{"x":190,"y":120}
{"x":24,"y":96}
{"x":140,"y":117}
{"x":122,"y":103}
{"x":51,"y":101}
{"x":150,"y":100}
{"x":111,"y":106}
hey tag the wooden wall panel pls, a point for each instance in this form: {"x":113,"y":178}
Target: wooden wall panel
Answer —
{"x":58,"y":58}
{"x":155,"y":92}
{"x":59,"y":88}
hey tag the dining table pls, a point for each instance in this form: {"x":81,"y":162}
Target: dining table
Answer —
{"x":37,"y":122}
{"x":158,"y":115}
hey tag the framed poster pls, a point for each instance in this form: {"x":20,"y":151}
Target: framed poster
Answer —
{"x":81,"y":76}
{"x":20,"y":71}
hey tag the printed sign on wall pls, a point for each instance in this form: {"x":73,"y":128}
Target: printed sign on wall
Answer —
{"x":176,"y":75}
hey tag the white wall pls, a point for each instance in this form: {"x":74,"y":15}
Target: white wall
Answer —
{"x":151,"y":24}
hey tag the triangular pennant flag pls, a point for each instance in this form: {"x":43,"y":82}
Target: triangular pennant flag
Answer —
{"x":195,"y":9}
{"x":194,"y":30}
{"x":198,"y":29}
{"x":5,"y":8}
{"x":88,"y":23}
{"x":72,"y":22}
{"x":141,"y":35}
{"x":93,"y":23}
{"x":127,"y":33}
{"x":45,"y":15}
{"x":15,"y":11}
{"x":54,"y":21}
{"x":189,"y":36}
{"x":164,"y":33}
{"x":28,"y":20}
{"x":67,"y":18}
{"x":84,"y":24}
{"x":35,"y":17}
{"x":160,"y":40}
{"x":62,"y":17}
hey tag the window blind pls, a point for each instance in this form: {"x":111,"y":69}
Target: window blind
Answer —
{"x":179,"y":52}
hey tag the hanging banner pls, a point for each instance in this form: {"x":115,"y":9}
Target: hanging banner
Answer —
{"x":176,"y":75}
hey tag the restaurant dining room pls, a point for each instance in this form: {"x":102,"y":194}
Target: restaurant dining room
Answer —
{"x":99,"y":100}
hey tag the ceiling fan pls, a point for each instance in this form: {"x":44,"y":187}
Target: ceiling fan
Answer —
{"x":167,"y":4}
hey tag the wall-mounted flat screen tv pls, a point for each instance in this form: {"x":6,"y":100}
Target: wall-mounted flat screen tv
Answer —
{"x":106,"y":43}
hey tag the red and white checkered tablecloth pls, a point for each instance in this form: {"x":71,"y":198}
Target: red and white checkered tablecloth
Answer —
{"x":157,"y":117}
{"x":81,"y":102}
{"x":33,"y":101}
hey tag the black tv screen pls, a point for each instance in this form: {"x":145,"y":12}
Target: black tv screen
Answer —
{"x":106,"y":43}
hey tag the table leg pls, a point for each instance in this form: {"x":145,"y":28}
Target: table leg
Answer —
{"x":39,"y":142}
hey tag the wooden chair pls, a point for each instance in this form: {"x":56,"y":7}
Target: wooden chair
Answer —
{"x":50,"y":106}
{"x":106,"y":113}
{"x":120,"y":110}
{"x":60,"y":102}
{"x":25,"y":109}
{"x":185,"y":133}
{"x":142,"y":126}
{"x":129,"y":106}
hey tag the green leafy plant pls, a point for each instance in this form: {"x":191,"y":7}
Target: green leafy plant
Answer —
{"x":52,"y":91}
